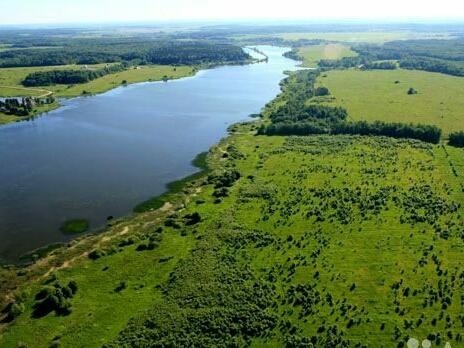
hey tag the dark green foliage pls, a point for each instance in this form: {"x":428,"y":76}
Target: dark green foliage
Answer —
{"x":137,"y":50}
{"x":321,"y":91}
{"x":224,"y":179}
{"x":379,"y":66}
{"x":192,"y":219}
{"x":427,"y":133}
{"x":456,"y":139}
{"x":12,"y":311}
{"x":52,"y":77}
{"x":17,"y":106}
{"x":54,"y":298}
{"x":96,"y":254}
{"x":433,"y":65}
{"x":444,"y":56}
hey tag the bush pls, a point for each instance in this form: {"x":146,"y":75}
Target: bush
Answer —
{"x":54,"y":298}
{"x":456,"y":139}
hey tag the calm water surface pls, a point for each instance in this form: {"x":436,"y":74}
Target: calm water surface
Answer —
{"x":99,"y":156}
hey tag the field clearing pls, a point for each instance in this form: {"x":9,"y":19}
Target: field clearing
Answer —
{"x":110,"y":81}
{"x":374,"y":95}
{"x":313,"y":54}
{"x":12,"y":77}
{"x":323,"y":213}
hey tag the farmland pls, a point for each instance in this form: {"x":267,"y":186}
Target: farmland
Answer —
{"x":312,"y":54}
{"x":382,"y":95}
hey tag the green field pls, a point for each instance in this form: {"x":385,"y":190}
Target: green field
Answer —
{"x":374,"y":95}
{"x":336,"y":231}
{"x":313,"y":54}
{"x":12,"y":77}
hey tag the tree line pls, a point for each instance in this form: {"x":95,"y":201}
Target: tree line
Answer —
{"x":294,"y":117}
{"x":69,"y":76}
{"x":137,"y":52}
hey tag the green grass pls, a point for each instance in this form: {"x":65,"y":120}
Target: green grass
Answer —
{"x":12,"y":77}
{"x":105,"y":83}
{"x":282,"y":180}
{"x":75,"y":226}
{"x":374,"y":95}
{"x":313,"y":54}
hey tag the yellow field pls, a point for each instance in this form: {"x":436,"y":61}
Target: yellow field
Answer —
{"x":374,"y":95}
{"x":312,"y":54}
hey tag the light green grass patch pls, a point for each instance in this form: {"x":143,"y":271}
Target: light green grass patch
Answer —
{"x":313,"y":54}
{"x":374,"y":95}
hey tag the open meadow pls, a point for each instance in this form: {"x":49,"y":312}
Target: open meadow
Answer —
{"x":311,"y":55}
{"x":382,"y":95}
{"x":321,"y":239}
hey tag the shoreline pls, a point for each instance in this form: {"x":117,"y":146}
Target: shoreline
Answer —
{"x":153,"y":204}
{"x":194,"y":70}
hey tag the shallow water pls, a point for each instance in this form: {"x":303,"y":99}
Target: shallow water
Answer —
{"x":101,"y":155}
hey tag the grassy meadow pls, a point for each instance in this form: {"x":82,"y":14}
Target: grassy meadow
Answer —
{"x":313,"y":54}
{"x":382,"y":95}
{"x":346,"y":239}
{"x":12,"y":77}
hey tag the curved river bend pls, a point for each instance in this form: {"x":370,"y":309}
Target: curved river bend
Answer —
{"x":101,"y":155}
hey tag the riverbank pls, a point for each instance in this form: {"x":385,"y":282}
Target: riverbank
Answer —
{"x":97,"y":86}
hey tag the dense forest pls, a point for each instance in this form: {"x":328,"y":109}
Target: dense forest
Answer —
{"x":296,"y":117}
{"x":444,"y":56}
{"x":94,"y":51}
{"x":51,"y":77}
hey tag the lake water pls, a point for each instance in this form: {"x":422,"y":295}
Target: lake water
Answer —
{"x":101,"y":155}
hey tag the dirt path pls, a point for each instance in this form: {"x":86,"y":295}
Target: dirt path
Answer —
{"x":71,"y":261}
{"x":46,"y":91}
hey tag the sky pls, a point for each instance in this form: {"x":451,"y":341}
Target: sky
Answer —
{"x":104,"y":11}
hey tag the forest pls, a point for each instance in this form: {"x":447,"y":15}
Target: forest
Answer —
{"x":52,"y":77}
{"x":136,"y":51}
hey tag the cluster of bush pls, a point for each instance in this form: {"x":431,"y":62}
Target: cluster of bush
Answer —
{"x":422,"y":132}
{"x":54,"y":298}
{"x":52,"y":77}
{"x":456,"y":139}
{"x":16,"y":106}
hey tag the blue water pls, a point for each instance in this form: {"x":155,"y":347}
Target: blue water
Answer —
{"x":101,"y":155}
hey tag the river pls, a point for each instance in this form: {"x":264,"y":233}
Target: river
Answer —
{"x":101,"y":155}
